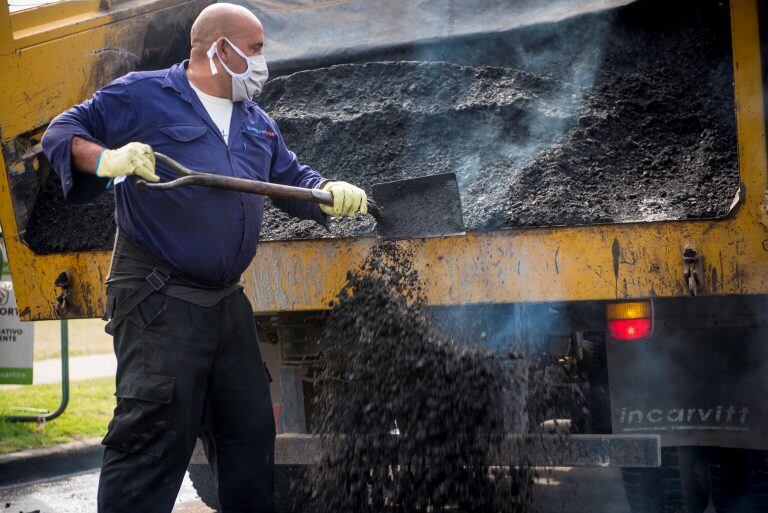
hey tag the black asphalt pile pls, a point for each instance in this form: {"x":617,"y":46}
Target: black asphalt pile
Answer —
{"x":656,"y":137}
{"x":422,"y":414}
{"x":613,"y":117}
{"x":384,"y":121}
{"x":57,"y":227}
{"x":637,"y":127}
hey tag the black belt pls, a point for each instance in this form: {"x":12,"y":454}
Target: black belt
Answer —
{"x":131,"y":262}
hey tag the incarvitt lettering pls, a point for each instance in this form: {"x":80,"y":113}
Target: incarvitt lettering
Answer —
{"x":720,"y":414}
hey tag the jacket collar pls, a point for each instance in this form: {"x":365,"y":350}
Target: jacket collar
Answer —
{"x":176,"y":79}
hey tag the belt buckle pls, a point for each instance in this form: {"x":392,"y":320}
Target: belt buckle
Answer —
{"x":157,"y":279}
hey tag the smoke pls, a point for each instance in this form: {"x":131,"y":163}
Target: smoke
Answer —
{"x":311,"y":31}
{"x":554,"y":67}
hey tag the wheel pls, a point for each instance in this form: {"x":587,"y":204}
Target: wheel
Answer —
{"x":597,"y":406}
{"x":204,"y":483}
{"x":288,"y":480}
{"x":655,"y":490}
{"x":739,"y":480}
{"x":693,"y":462}
{"x":288,"y":492}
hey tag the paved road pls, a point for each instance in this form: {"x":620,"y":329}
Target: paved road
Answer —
{"x":80,"y":367}
{"x":77,"y":494}
{"x":83,"y":367}
{"x":563,"y":490}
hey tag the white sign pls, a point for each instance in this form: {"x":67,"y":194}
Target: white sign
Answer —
{"x":16,"y":341}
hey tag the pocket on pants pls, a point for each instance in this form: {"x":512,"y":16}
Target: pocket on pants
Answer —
{"x":143,"y":414}
{"x":149,"y":313}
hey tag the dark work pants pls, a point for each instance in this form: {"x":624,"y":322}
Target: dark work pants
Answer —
{"x":184,"y":370}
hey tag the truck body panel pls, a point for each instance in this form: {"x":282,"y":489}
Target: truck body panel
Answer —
{"x":575,"y":263}
{"x":700,"y":379}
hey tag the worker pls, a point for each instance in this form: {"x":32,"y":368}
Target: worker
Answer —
{"x":188,"y":361}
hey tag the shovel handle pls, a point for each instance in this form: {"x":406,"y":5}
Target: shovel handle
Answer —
{"x":190,"y":177}
{"x":273,"y":190}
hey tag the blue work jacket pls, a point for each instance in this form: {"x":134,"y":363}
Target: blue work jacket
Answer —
{"x":207,"y":233}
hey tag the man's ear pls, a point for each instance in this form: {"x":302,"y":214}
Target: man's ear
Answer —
{"x":221,"y":45}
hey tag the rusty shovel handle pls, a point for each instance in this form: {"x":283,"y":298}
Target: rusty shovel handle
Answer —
{"x":190,"y":177}
{"x":273,"y":190}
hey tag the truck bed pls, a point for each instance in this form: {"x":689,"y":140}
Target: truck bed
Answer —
{"x":616,"y":116}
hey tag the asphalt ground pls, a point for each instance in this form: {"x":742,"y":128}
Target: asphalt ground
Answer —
{"x":76,"y":493}
{"x":561,"y":490}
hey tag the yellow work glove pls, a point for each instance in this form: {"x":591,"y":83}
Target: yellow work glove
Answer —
{"x":132,"y":159}
{"x":348,"y":200}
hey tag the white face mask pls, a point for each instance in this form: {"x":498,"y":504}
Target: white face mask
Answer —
{"x":246,"y":85}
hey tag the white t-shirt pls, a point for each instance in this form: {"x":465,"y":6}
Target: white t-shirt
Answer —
{"x":220,"y":110}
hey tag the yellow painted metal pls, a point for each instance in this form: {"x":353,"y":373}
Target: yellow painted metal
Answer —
{"x":6,"y":38}
{"x":68,"y":18}
{"x":600,"y":262}
{"x":57,"y":14}
{"x":565,"y":263}
{"x":62,"y":55}
{"x":54,"y":57}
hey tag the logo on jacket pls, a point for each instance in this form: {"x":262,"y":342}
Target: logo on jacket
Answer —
{"x":259,"y":131}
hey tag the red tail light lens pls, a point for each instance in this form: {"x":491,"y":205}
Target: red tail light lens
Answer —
{"x":630,"y":329}
{"x":630,"y":320}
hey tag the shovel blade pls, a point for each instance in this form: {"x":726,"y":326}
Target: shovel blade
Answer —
{"x":428,"y":206}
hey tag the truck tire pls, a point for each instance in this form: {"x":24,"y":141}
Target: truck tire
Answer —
{"x":204,"y":483}
{"x":594,"y":365}
{"x":739,"y":480}
{"x":693,"y":462}
{"x":288,"y":480}
{"x":655,"y":490}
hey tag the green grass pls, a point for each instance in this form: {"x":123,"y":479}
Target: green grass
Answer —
{"x":86,"y":336}
{"x":87,"y":415}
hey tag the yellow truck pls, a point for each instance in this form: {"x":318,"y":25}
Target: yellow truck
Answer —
{"x":665,"y":320}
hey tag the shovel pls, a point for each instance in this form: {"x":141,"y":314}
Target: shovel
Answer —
{"x":428,"y":206}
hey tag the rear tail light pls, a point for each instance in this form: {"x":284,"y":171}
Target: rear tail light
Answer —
{"x":629,"y":320}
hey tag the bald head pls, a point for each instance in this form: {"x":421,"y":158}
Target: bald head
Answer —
{"x":237,"y":34}
{"x":225,"y":20}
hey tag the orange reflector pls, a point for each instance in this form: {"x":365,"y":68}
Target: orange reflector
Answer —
{"x":634,"y":310}
{"x":630,"y":320}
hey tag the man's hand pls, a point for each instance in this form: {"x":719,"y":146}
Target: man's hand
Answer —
{"x":132,"y":159}
{"x":348,"y":200}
